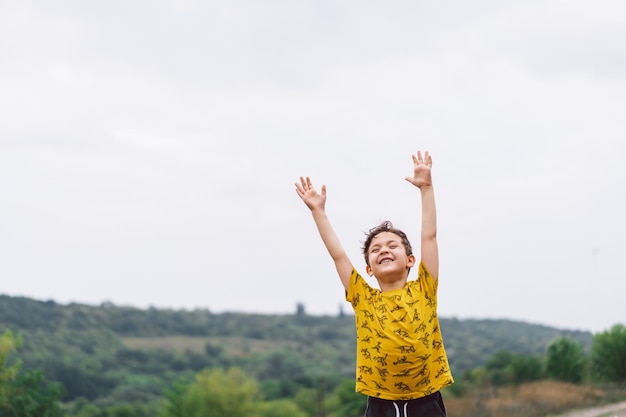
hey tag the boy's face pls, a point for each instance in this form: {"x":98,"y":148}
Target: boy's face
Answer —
{"x":387,"y":256}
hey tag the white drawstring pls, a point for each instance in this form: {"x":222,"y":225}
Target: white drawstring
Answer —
{"x":406,"y":404}
{"x":397,"y":409}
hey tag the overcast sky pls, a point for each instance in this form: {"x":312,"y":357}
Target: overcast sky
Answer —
{"x":149,"y":149}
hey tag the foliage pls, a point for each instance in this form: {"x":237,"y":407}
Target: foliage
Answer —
{"x":526,"y":368}
{"x":280,"y":408}
{"x":8,"y":371}
{"x":32,"y":396}
{"x":345,"y":402}
{"x":112,"y":359}
{"x":25,"y":394}
{"x":214,"y":393}
{"x":506,"y":367}
{"x":131,"y":410}
{"x":565,"y":361}
{"x":499,"y":369}
{"x":470,"y":343}
{"x":82,"y":408}
{"x":609,"y":354}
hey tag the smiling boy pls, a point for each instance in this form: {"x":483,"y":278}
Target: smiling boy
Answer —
{"x":401,"y":361}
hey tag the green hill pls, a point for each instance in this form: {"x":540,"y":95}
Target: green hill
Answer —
{"x":108,"y":351}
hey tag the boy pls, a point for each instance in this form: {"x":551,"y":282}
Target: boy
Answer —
{"x":401,"y":360}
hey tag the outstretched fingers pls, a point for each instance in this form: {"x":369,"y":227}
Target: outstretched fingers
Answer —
{"x":426,"y":159}
{"x":306,"y":186}
{"x":300,"y":187}
{"x":309,"y":195}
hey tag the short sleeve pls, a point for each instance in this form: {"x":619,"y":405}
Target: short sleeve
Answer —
{"x":351,"y":292}
{"x":426,"y":280}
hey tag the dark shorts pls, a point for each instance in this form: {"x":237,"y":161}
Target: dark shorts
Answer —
{"x":429,"y":406}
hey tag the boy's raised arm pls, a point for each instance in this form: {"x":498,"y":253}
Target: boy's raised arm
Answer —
{"x":316,"y":203}
{"x":422,"y":179}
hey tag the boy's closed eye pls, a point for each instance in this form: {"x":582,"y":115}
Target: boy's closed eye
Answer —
{"x":376,"y":249}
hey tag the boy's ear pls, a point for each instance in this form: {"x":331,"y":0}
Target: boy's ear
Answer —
{"x":411,"y":261}
{"x":368,"y":270}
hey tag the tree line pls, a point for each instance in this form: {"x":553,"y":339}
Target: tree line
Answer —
{"x":87,"y":360}
{"x":231,"y":391}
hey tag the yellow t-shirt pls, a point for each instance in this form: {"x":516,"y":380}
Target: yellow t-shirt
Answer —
{"x":400,"y":353}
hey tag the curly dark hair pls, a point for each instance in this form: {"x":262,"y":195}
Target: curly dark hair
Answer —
{"x":385,"y":226}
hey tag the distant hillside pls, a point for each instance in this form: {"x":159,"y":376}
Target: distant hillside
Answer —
{"x":469,"y":342}
{"x":109,"y":354}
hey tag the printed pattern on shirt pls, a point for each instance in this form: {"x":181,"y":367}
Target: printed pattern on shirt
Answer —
{"x":400,"y":351}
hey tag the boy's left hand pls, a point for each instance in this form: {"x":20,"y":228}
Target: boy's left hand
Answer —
{"x":421,"y":170}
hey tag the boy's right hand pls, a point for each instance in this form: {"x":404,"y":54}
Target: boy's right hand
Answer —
{"x":307,"y":193}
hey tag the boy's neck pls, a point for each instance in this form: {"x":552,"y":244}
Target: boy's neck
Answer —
{"x":393,"y":284}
